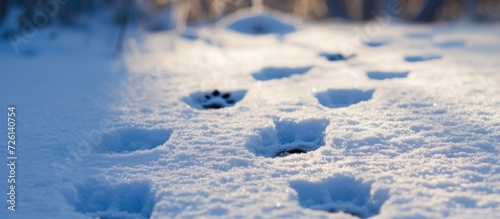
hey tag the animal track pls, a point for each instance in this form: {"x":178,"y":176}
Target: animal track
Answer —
{"x":289,"y":137}
{"x":102,"y":200}
{"x":131,"y":139}
{"x":214,"y":99}
{"x":261,"y":24}
{"x":375,"y":43}
{"x":343,"y":97}
{"x":335,"y":56}
{"x":271,"y":73}
{"x":421,"y":58}
{"x":382,"y":75}
{"x":340,"y":194}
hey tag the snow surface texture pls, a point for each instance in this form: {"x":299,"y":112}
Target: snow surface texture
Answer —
{"x":131,"y":137}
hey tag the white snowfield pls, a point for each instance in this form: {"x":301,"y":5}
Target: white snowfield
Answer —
{"x":306,"y":121}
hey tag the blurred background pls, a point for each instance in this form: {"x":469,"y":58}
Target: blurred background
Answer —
{"x":17,"y":16}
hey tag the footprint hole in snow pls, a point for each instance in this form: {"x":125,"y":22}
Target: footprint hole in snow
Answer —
{"x":339,"y":98}
{"x":335,"y":56}
{"x":290,"y":151}
{"x":422,"y":58}
{"x":270,"y":73}
{"x":375,"y":43}
{"x":261,"y":24}
{"x":340,"y":194}
{"x":100,"y":199}
{"x":383,"y":75}
{"x":214,"y":99}
{"x":289,"y":137}
{"x":130,"y":139}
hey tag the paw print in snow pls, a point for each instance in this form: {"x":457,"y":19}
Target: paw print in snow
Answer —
{"x":214,"y":99}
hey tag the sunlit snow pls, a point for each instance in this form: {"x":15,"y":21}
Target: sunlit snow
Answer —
{"x":227,"y":123}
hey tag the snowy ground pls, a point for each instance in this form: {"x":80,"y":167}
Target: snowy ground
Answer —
{"x":408,"y":126}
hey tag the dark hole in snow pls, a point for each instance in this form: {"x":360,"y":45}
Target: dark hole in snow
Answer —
{"x":335,"y":56}
{"x":341,"y":194}
{"x":289,"y":137}
{"x":213,"y":106}
{"x":421,"y":58}
{"x":214,"y":100}
{"x":290,"y":151}
{"x":343,"y":97}
{"x":101,"y":200}
{"x":129,"y":139}
{"x":270,"y":73}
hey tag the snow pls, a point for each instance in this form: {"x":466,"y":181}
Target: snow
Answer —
{"x":260,"y":22}
{"x":134,"y":136}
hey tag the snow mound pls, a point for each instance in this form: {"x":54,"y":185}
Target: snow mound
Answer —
{"x":343,"y":97}
{"x":341,"y":194}
{"x":261,"y":24}
{"x":289,"y":137}
{"x":270,"y":73}
{"x":130,"y":139}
